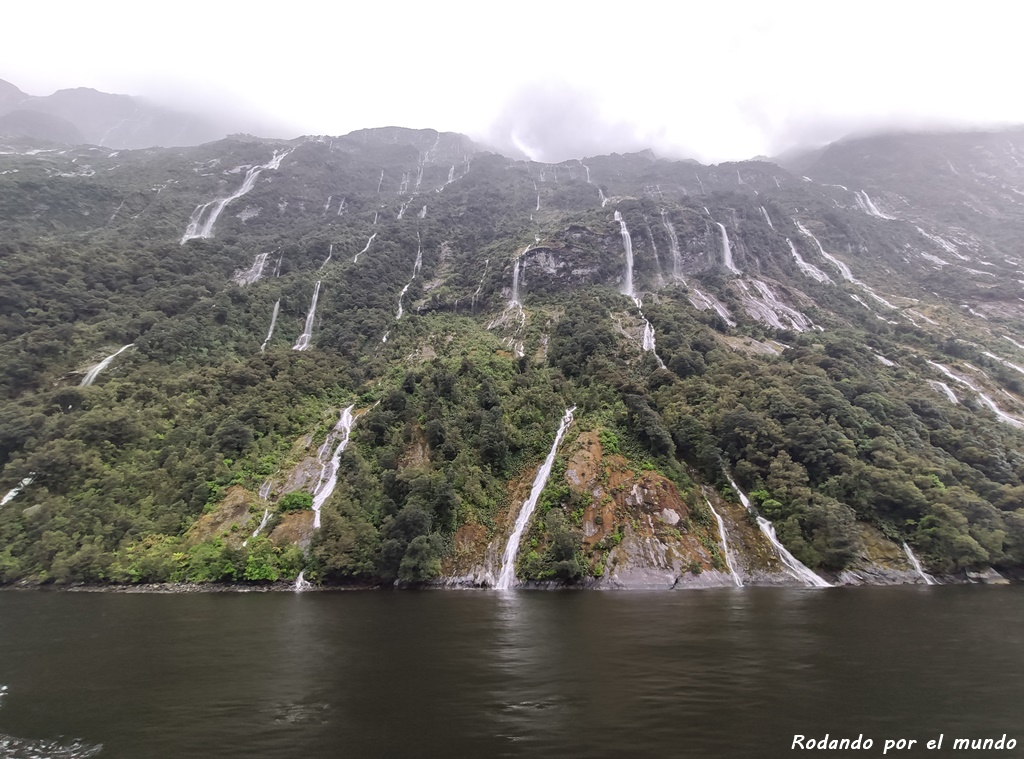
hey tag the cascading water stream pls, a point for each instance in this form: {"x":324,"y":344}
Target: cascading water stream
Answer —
{"x":647,"y":343}
{"x":767,"y":217}
{"x":865,"y":202}
{"x":356,"y":259}
{"x":330,"y":254}
{"x":808,"y":269}
{"x":94,"y":372}
{"x":13,"y":492}
{"x":259,"y":529}
{"x":987,"y":401}
{"x":198,"y":228}
{"x":307,"y":332}
{"x":727,"y":554}
{"x":273,"y":323}
{"x":793,"y":564}
{"x":677,"y":258}
{"x":253,"y":274}
{"x":627,"y":243}
{"x":917,"y":565}
{"x":727,"y":250}
{"x":844,"y":270}
{"x":507,"y":575}
{"x":329,"y":471}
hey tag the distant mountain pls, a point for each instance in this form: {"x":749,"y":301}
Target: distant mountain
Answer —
{"x":83,"y":115}
{"x":358,"y":356}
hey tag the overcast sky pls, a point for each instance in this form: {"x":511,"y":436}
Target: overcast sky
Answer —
{"x":714,"y":81}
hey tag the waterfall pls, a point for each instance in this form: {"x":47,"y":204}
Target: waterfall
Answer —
{"x":844,"y":270}
{"x":354,"y":260}
{"x":538,"y":202}
{"x":327,"y":205}
{"x":587,"y":170}
{"x":727,"y":250}
{"x":767,"y":217}
{"x":701,"y":186}
{"x":273,"y":322}
{"x":375,"y":215}
{"x":258,"y":530}
{"x":94,"y":372}
{"x":300,"y":582}
{"x":729,"y":563}
{"x":705,"y":302}
{"x":198,"y":228}
{"x":423,"y":212}
{"x":341,"y":206}
{"x":401,"y":310}
{"x":1017,"y":345}
{"x":329,"y":470}
{"x":1004,"y":362}
{"x":380,"y":182}
{"x":869,"y":207}
{"x":13,"y":492}
{"x":604,"y":200}
{"x":988,"y":402}
{"x":451,"y":178}
{"x":507,"y":576}
{"x":917,"y":565}
{"x":327,"y":260}
{"x":303,"y":342}
{"x":793,"y":564}
{"x":677,"y":259}
{"x":514,"y":300}
{"x":807,"y":269}
{"x":627,"y":243}
{"x":417,"y":265}
{"x":250,"y":276}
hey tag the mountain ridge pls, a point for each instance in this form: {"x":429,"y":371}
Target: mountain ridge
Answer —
{"x":841,"y":354}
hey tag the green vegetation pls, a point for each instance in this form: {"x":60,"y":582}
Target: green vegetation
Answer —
{"x":131,"y":471}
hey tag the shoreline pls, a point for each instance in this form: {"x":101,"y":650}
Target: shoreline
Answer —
{"x":170,"y":588}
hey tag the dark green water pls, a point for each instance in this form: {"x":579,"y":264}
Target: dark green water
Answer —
{"x":729,"y":673}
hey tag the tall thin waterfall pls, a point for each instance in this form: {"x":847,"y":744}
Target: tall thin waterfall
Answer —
{"x":917,"y":565}
{"x":793,"y":564}
{"x":627,"y":243}
{"x":200,"y":224}
{"x":507,"y":576}
{"x":729,"y":563}
{"x":677,"y":258}
{"x":307,"y":332}
{"x":727,"y":250}
{"x":273,"y":322}
{"x":767,"y":217}
{"x":94,"y":372}
{"x":514,"y":300}
{"x":329,"y":470}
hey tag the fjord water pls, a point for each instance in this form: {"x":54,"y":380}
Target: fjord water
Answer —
{"x":722,"y":673}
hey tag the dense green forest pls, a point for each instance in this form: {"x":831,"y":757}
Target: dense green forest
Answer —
{"x":154,"y":471}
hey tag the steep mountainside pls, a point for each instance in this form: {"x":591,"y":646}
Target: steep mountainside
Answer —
{"x":349,"y":357}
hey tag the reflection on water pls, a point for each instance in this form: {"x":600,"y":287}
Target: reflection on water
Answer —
{"x":729,"y":672}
